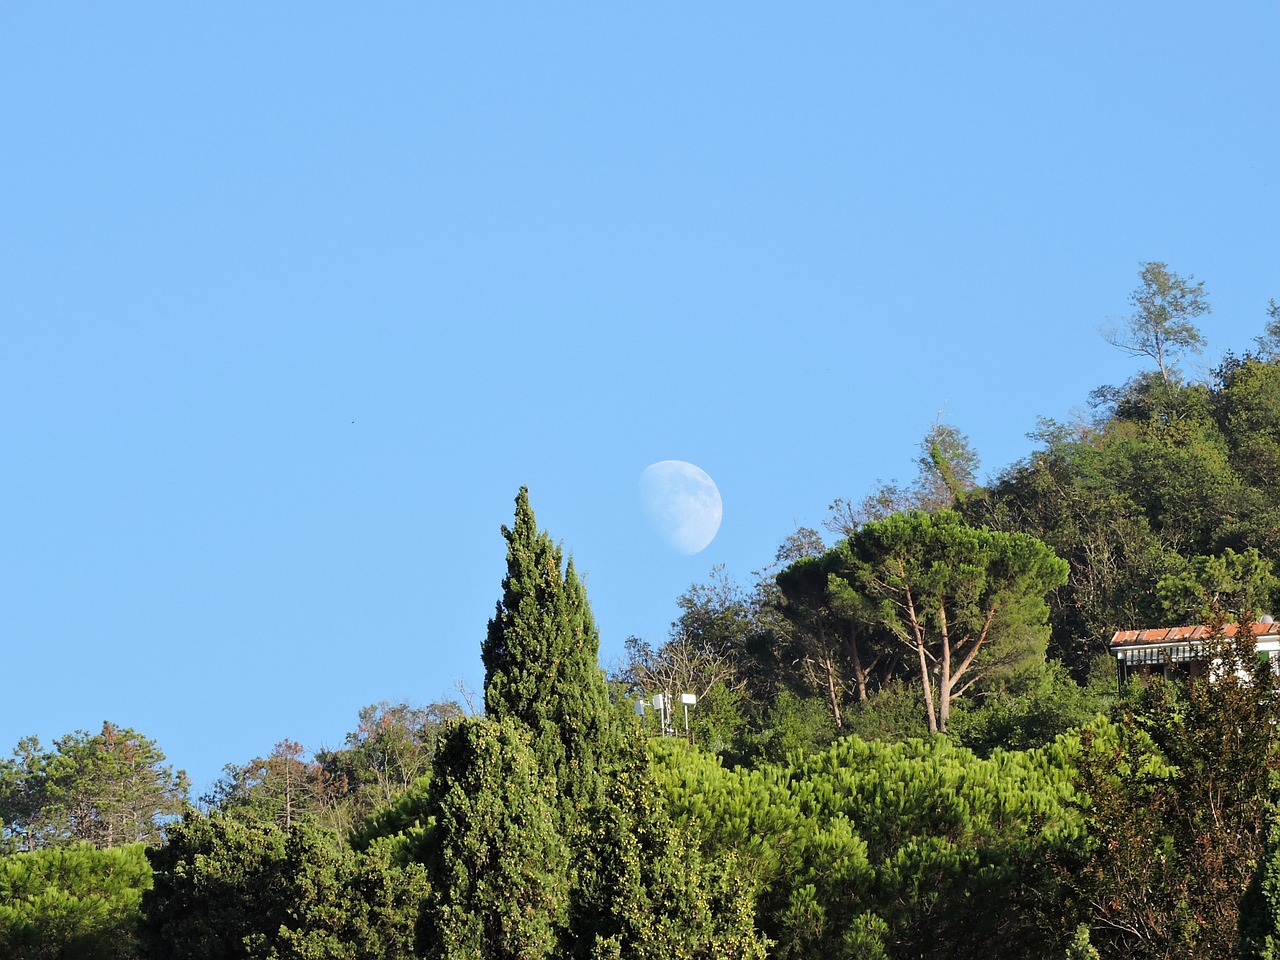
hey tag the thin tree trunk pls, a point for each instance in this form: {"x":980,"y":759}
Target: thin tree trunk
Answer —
{"x":944,"y":684}
{"x":924,"y":662}
{"x":831,"y":688}
{"x":859,"y":674}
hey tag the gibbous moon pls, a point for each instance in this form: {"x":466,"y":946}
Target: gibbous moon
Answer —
{"x":682,"y":503}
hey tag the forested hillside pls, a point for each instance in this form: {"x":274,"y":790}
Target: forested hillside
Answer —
{"x":903,"y":739}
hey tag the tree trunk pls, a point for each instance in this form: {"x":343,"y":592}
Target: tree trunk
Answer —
{"x":831,"y":689}
{"x":944,"y":682}
{"x":918,"y":632}
{"x":859,"y":673}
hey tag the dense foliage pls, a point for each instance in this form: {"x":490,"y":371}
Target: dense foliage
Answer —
{"x":108,"y":789}
{"x":72,"y":903}
{"x":906,"y":744}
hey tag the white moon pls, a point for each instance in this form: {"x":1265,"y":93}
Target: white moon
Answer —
{"x":683,"y":504}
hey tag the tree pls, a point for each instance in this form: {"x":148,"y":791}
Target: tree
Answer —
{"x":542,"y":667}
{"x":498,"y":866}
{"x":704,"y":655}
{"x":875,"y":849}
{"x":1161,"y":326}
{"x":227,"y":887}
{"x":550,"y":773}
{"x":1269,"y":342}
{"x":946,"y":473}
{"x":217,"y":886}
{"x":389,"y":750}
{"x":1260,"y":906}
{"x":109,"y":789}
{"x":1239,"y":585}
{"x":831,"y":632}
{"x":284,"y":787}
{"x":72,"y":902}
{"x":23,"y":796}
{"x":816,"y":638}
{"x":967,"y":602}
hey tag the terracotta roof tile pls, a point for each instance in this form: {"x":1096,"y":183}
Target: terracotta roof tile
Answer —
{"x":1157,"y":635}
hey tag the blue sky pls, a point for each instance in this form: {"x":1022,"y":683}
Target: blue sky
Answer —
{"x":295,"y":297}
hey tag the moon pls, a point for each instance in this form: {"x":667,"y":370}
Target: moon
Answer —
{"x":683,"y":504}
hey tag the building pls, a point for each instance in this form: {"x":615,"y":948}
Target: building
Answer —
{"x":1167,"y":651}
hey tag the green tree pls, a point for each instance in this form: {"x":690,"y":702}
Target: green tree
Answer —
{"x":1260,"y":906}
{"x":871,"y":849}
{"x":110,"y":789}
{"x":1269,"y":343}
{"x":217,"y":888}
{"x":498,"y":866}
{"x":946,"y":474}
{"x":1161,"y":326}
{"x":703,"y":655}
{"x":72,"y":903}
{"x":552,"y":767}
{"x":1070,"y":494}
{"x":1180,"y":796}
{"x":23,"y":796}
{"x":542,"y":667}
{"x":967,"y":602}
{"x":390,"y":749}
{"x":285,"y":788}
{"x":1238,"y":585}
{"x":227,"y":887}
{"x":832,"y":632}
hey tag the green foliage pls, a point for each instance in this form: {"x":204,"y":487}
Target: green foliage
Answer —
{"x":1080,"y":947}
{"x":653,"y":894}
{"x":1260,"y":906}
{"x":705,"y":655}
{"x":1161,"y":327}
{"x":285,"y":788}
{"x":1181,"y":793}
{"x":403,"y":825}
{"x":791,"y":724}
{"x":541,"y":664}
{"x":72,"y":903}
{"x":344,"y":906}
{"x":1170,"y":476}
{"x":498,"y":866}
{"x":1050,"y":703}
{"x":968,"y":601}
{"x":1130,"y":879}
{"x":946,"y":475}
{"x":227,"y":887}
{"x":543,"y":833}
{"x":109,"y":789}
{"x":1237,"y":584}
{"x":821,"y":640}
{"x":218,"y":887}
{"x":916,"y":849}
{"x":390,"y":749}
{"x":1073,"y":495}
{"x":896,"y":711}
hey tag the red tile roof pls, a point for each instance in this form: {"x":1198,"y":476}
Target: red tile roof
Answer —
{"x":1154,"y":635}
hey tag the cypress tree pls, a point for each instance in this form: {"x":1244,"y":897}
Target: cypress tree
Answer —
{"x":542,"y":670}
{"x":550,"y":782}
{"x":498,"y":867}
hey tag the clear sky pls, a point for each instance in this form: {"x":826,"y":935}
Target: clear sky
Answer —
{"x":294,"y":297}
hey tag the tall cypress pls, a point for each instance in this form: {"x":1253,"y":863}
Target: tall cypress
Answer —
{"x":542,"y":670}
{"x":548,"y":837}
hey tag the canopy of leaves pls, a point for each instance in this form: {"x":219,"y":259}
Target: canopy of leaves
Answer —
{"x":916,"y":849}
{"x":109,"y":789}
{"x":72,"y":902}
